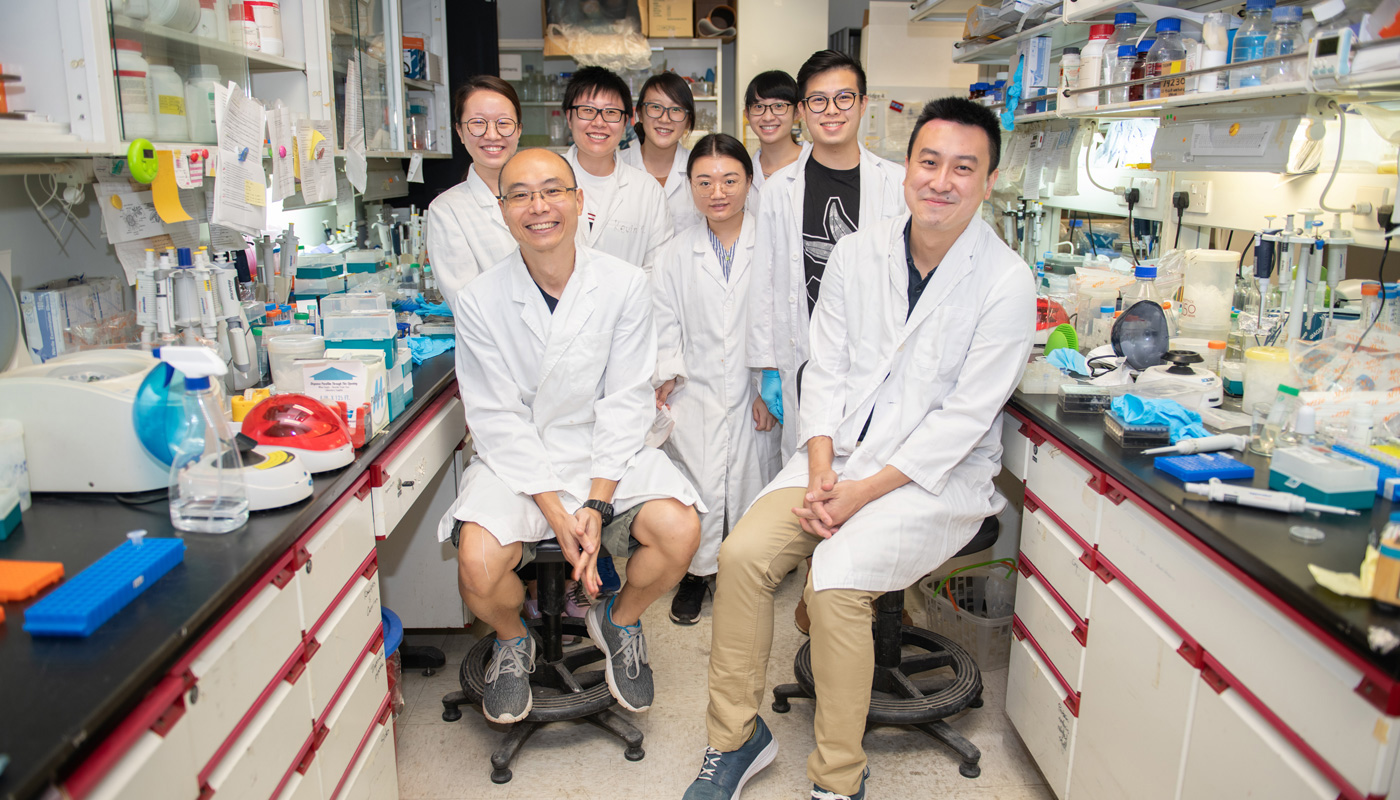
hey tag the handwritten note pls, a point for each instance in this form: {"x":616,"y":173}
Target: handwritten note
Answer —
{"x":240,"y":164}
{"x":356,"y":167}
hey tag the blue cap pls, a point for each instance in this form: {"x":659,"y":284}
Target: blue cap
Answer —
{"x":999,"y":85}
{"x":1127,"y":51}
{"x":183,"y":257}
{"x":270,"y":307}
{"x":1145,"y":45}
{"x":1076,"y":223}
{"x":196,"y":384}
{"x":1258,"y":5}
{"x":1106,"y":307}
{"x":1145,"y":272}
{"x":1168,"y":24}
{"x":1288,"y":14}
{"x":1125,"y":18}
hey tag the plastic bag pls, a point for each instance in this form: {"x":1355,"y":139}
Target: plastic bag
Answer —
{"x":617,"y":46}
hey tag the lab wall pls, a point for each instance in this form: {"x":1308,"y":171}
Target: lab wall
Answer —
{"x":36,"y":256}
{"x":781,"y":35}
{"x":913,"y":61}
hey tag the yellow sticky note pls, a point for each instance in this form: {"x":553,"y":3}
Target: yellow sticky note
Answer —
{"x":296,"y":162}
{"x":165,"y":191}
{"x":316,"y":139}
{"x":254,"y":193}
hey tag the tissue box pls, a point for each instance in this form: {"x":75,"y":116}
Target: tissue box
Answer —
{"x":353,"y":380}
{"x":52,"y":308}
{"x":1036,"y":51}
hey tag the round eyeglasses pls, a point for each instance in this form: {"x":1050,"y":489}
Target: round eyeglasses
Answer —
{"x":778,"y":107}
{"x":505,"y":126}
{"x":673,"y":113}
{"x":844,"y":101}
{"x":706,"y":186}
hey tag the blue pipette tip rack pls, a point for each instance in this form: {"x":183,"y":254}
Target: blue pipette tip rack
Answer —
{"x":1201,"y":467}
{"x":82,"y":604}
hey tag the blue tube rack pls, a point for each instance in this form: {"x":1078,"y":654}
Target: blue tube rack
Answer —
{"x":1201,"y":467}
{"x":82,"y":604}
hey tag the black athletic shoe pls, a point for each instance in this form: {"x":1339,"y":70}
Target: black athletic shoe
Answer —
{"x":690,"y":595}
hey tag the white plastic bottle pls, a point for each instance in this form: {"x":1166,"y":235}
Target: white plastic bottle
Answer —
{"x":242,"y":28}
{"x":134,"y":91}
{"x":1070,"y":65}
{"x":1285,"y":39}
{"x":267,"y":16}
{"x":171,"y":124}
{"x":1091,"y":64}
{"x":1249,"y":43}
{"x":207,"y":491}
{"x":199,"y":103}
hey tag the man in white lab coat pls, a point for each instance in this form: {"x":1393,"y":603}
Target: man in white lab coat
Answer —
{"x":625,"y":211}
{"x":805,"y":208}
{"x":922,"y":331}
{"x":556,"y":349}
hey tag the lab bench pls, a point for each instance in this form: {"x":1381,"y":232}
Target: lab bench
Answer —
{"x":255,"y":668}
{"x":1171,"y":647}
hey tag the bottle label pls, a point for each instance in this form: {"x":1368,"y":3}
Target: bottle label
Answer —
{"x":134,"y":89}
{"x":171,"y":104}
{"x":1172,"y":87}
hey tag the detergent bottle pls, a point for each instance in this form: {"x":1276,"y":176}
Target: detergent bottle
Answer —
{"x":207,"y":492}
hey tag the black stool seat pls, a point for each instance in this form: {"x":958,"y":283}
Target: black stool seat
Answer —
{"x":564,"y":686}
{"x":920,"y":677}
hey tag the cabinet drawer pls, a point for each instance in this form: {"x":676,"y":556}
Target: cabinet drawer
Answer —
{"x":1062,"y":484}
{"x":304,"y":786}
{"x":1036,"y":704}
{"x":374,"y":776}
{"x":260,"y":757}
{"x":1056,"y":553}
{"x":402,"y":472}
{"x":1015,"y":447}
{"x":351,"y":715}
{"x":240,"y":659}
{"x":1057,"y":631}
{"x":341,"y":642}
{"x":1267,"y":651}
{"x":155,"y":766}
{"x":335,"y":546}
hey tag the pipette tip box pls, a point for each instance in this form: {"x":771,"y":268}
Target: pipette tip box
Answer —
{"x":1133,"y":436}
{"x":1201,"y":467}
{"x":1388,"y":467}
{"x":95,"y":595}
{"x":1321,"y":476}
{"x":21,"y":580}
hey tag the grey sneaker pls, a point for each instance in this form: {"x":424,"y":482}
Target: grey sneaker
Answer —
{"x":628,"y":673}
{"x":508,"y":697}
{"x":723,"y":775}
{"x":818,"y":793}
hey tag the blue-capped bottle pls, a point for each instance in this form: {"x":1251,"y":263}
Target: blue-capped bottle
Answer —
{"x":1123,"y":24}
{"x":1165,"y":60}
{"x":207,"y":491}
{"x":1250,"y":39}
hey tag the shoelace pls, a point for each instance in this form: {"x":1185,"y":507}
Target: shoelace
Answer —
{"x":579,"y":595}
{"x":818,"y":794}
{"x":510,"y":659}
{"x":633,"y":650}
{"x":707,"y":770}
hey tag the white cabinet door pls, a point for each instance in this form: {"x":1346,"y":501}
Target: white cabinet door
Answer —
{"x":1133,"y":714}
{"x":420,"y":573}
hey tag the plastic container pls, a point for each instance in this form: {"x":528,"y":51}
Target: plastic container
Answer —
{"x":242,"y":28}
{"x":1249,"y":43}
{"x":1121,"y":72}
{"x":179,"y":15}
{"x":1201,"y":467}
{"x":1069,"y":70}
{"x":1134,"y":436}
{"x":171,"y":124}
{"x":136,"y":9}
{"x":134,"y":91}
{"x":1215,"y":50}
{"x":1166,"y":58}
{"x":212,"y":24}
{"x":393,"y":637}
{"x":1265,"y":368}
{"x":1286,"y":38}
{"x":1145,"y":288}
{"x":207,"y":492}
{"x":267,"y":18}
{"x":1123,"y":23}
{"x":81,"y":604}
{"x":14,"y":466}
{"x":1214,"y":356}
{"x":1139,"y":91}
{"x":282,"y":354}
{"x":1084,"y":399}
{"x":1091,"y":64}
{"x":199,"y":103}
{"x":419,"y":132}
{"x":974,"y":607}
{"x":1208,"y":293}
{"x":1322,"y":476}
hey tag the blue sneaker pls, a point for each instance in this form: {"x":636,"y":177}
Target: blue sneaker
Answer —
{"x":607,"y":574}
{"x":818,"y":793}
{"x":723,"y":775}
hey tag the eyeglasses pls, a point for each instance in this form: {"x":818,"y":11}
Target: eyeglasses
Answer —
{"x":655,"y":110}
{"x":553,"y":195}
{"x":706,"y":186}
{"x":844,"y":101}
{"x":505,"y":126}
{"x":778,"y":108}
{"x":591,"y":112}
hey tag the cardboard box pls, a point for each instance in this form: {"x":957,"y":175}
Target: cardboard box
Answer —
{"x":670,"y":19}
{"x":52,"y":308}
{"x":1037,"y":52}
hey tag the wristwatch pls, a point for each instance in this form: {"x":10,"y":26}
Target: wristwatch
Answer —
{"x":604,"y":509}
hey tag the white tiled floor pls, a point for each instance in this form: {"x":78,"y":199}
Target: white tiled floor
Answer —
{"x":449,"y":760}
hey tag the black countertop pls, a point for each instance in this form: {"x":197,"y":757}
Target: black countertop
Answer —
{"x":1254,"y":540}
{"x":59,"y":697}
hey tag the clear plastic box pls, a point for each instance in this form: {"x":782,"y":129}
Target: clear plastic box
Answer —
{"x":376,"y":324}
{"x":978,"y":615}
{"x":1083,"y":399}
{"x":349,"y":302}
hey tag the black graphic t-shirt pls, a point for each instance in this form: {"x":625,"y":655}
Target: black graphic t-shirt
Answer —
{"x":830,"y":210}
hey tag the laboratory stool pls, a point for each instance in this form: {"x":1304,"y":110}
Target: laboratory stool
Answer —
{"x":564,"y":690}
{"x":936,"y":679}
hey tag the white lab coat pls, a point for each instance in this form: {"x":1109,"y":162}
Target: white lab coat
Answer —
{"x":778,"y":301}
{"x":555,"y":400}
{"x":759,"y":180}
{"x":937,"y":416}
{"x":465,"y":234}
{"x":701,"y":324}
{"x":635,"y":222}
{"x":679,"y":199}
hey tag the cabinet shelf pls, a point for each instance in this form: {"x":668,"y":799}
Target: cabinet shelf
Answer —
{"x":194,"y":47}
{"x":420,"y":85}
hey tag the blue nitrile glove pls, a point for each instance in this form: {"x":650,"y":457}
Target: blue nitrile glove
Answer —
{"x":1182,"y":422}
{"x":1072,"y":360}
{"x":439,"y":309}
{"x":425,"y":347}
{"x":1013,"y":97}
{"x":771,"y":389}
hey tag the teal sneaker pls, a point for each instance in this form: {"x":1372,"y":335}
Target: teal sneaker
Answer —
{"x":723,"y":775}
{"x":818,"y":793}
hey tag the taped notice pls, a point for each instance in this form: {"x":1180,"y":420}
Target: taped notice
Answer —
{"x":165,"y":191}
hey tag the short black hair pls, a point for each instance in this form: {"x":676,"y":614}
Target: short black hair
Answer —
{"x":720,"y":144}
{"x":596,"y":80}
{"x":674,"y":87}
{"x":964,"y":112}
{"x":773,"y":84}
{"x":826,"y":61}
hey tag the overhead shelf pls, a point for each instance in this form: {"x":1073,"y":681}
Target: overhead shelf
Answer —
{"x":193,"y":47}
{"x":1000,"y":50}
{"x":425,"y":86}
{"x":928,"y":9}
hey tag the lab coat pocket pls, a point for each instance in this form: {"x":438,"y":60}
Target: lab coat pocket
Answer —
{"x":942,"y":342}
{"x":587,"y":358}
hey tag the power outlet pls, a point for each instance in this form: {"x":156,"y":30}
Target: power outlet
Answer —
{"x":1147,"y":191}
{"x":1199,"y":194}
{"x":1377,"y":196}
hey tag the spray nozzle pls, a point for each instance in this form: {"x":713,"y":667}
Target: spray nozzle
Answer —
{"x":195,"y":363}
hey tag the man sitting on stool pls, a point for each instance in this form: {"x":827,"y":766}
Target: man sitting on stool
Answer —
{"x":555,"y":351}
{"x":900,"y":416}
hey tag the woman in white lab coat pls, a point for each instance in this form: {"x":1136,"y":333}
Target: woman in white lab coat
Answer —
{"x":465,"y":231}
{"x":665,"y":114}
{"x":770,"y":109}
{"x":724,"y":439}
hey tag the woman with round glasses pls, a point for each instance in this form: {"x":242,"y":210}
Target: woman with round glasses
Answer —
{"x":770,"y":109}
{"x":724,"y":440}
{"x":665,"y":114}
{"x":465,"y":231}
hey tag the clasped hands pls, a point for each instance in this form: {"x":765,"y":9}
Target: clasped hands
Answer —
{"x":580,"y":536}
{"x":829,"y":502}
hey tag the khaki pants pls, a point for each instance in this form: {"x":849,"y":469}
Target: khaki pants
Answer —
{"x":768,"y":543}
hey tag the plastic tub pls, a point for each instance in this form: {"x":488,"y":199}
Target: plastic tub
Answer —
{"x":282,"y":354}
{"x":1208,"y":292}
{"x":1265,"y":368}
{"x":337,"y":304}
{"x":973,"y":607}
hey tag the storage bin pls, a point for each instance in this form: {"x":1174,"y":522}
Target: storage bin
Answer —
{"x":978,"y":615}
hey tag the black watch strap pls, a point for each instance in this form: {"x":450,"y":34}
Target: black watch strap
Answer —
{"x":604,"y":509}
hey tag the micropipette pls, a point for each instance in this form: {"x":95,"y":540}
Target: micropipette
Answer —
{"x":1219,"y":492}
{"x":1203,"y":444}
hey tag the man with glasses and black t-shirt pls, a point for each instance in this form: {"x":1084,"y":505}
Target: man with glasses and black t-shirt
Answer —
{"x":625,"y":213}
{"x":805,"y":208}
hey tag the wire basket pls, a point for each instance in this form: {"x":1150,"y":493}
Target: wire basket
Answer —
{"x":973,"y":607}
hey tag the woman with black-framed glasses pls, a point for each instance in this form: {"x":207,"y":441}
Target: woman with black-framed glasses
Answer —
{"x":770,"y":109}
{"x":465,"y":231}
{"x":665,"y":115}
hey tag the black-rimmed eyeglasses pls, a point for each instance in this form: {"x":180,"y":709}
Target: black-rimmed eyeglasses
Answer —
{"x":844,"y":101}
{"x":552,"y":195}
{"x":592,"y":112}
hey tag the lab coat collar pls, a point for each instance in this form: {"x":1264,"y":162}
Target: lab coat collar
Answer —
{"x":484,"y":196}
{"x":632,"y":157}
{"x":872,"y":178}
{"x":743,"y":250}
{"x":956,"y":266}
{"x":558,"y":330}
{"x":626,"y":175}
